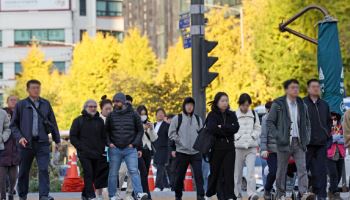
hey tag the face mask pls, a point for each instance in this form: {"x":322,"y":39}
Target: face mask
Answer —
{"x":335,"y":122}
{"x":143,"y":118}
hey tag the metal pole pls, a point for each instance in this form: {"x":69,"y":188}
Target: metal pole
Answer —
{"x":197,"y":37}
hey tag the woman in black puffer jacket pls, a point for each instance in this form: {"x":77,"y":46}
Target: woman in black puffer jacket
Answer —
{"x":223,"y":124}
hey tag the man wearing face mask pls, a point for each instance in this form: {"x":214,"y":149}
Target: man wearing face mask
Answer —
{"x":87,"y":136}
{"x":124,"y":132}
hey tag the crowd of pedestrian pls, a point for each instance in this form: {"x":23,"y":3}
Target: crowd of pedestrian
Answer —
{"x":121,"y":141}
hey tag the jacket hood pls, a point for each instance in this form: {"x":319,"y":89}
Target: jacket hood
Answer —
{"x":128,"y":108}
{"x":86,"y":114}
{"x":186,"y":101}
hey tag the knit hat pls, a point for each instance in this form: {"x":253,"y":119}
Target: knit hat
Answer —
{"x":119,"y":97}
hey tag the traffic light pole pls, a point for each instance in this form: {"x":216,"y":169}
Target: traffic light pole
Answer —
{"x":197,"y":36}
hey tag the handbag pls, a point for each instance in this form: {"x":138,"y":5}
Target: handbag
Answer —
{"x":205,"y":140}
{"x":47,"y":124}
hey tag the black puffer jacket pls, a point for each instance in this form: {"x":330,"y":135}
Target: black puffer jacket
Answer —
{"x":229,"y":126}
{"x":87,"y":135}
{"x":124,"y":127}
{"x":320,"y":119}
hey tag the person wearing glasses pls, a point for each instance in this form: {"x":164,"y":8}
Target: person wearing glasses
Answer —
{"x":87,"y":136}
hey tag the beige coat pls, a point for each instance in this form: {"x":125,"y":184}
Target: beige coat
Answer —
{"x":249,"y":132}
{"x":5,"y":131}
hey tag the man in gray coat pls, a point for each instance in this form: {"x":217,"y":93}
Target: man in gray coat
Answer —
{"x":184,"y":131}
{"x":289,"y":123}
{"x":268,"y":151}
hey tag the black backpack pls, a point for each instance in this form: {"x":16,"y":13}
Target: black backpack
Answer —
{"x":179,"y":121}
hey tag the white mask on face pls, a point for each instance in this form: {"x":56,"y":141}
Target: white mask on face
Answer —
{"x":143,"y":118}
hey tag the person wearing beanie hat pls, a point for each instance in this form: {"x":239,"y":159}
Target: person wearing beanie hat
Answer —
{"x":183,"y":131}
{"x":124,"y":132}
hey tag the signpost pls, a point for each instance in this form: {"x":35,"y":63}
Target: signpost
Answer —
{"x":184,"y":26}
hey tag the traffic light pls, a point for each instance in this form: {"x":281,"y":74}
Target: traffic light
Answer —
{"x":207,"y":62}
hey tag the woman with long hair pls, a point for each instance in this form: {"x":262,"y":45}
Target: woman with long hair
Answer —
{"x":145,"y":156}
{"x":223,"y":124}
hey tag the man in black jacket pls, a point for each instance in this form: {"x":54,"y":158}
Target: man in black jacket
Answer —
{"x":32,"y":121}
{"x":124,"y":134}
{"x":289,"y":123}
{"x":316,"y":156}
{"x":87,"y":136}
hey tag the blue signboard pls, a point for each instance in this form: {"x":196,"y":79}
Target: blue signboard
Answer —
{"x":187,"y":42}
{"x":185,"y":20}
{"x":184,"y":26}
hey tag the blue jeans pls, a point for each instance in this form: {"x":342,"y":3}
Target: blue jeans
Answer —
{"x":116,"y":157}
{"x":206,"y":171}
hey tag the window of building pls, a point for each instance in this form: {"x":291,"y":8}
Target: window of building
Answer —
{"x":109,"y":8}
{"x":82,"y":6}
{"x":1,"y":71}
{"x":18,"y":68}
{"x":81,"y":33}
{"x":24,"y":37}
{"x":60,"y":66}
{"x":117,"y":34}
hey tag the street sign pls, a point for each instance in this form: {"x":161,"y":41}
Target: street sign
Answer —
{"x":184,"y":26}
{"x":185,"y":20}
{"x":187,"y":42}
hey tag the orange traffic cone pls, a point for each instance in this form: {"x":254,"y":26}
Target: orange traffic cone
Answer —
{"x":188,"y":183}
{"x":72,"y":181}
{"x":151,"y":184}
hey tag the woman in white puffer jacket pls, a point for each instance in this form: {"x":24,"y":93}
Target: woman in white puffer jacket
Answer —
{"x":246,"y":144}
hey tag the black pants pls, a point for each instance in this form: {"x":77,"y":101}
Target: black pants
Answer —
{"x":183,"y":161}
{"x":162,"y":177}
{"x":271,"y":177}
{"x":144,"y":164}
{"x":170,"y":169}
{"x":40,"y":151}
{"x":316,"y":163}
{"x":11,"y":173}
{"x":90,"y":167}
{"x":335,"y":170}
{"x":222,"y":164}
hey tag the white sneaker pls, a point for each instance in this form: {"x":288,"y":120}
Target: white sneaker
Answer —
{"x":128,"y":197}
{"x":113,"y":198}
{"x":166,"y":190}
{"x":142,"y":196}
{"x":157,"y":190}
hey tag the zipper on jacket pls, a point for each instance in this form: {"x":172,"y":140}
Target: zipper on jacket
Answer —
{"x":224,"y":117}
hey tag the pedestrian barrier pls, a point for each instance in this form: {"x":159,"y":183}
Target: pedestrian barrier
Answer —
{"x":188,"y":182}
{"x":151,"y":184}
{"x":72,"y":181}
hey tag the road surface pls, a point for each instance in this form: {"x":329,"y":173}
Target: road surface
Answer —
{"x":155,"y":196}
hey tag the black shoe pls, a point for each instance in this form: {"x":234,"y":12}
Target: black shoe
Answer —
{"x":178,"y":198}
{"x":10,"y":197}
{"x":267,"y":195}
{"x":46,"y":198}
{"x":200,"y":198}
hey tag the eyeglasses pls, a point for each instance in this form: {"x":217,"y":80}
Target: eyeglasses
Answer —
{"x":92,"y":106}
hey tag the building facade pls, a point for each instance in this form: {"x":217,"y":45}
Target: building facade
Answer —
{"x":56,"y":24}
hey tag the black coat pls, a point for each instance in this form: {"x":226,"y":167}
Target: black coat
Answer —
{"x":87,"y":135}
{"x":10,"y":155}
{"x":124,"y":127}
{"x":229,"y":126}
{"x":161,"y":155}
{"x":320,"y":119}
